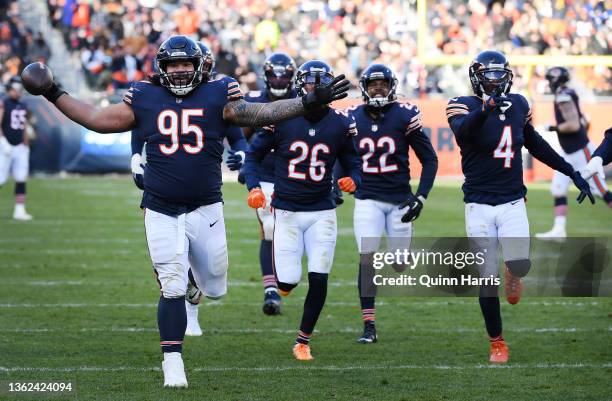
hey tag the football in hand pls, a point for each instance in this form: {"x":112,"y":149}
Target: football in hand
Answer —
{"x":37,"y":78}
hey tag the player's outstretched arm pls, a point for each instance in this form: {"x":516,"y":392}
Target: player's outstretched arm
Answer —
{"x":541,"y":150}
{"x":242,"y":113}
{"x":38,"y":80}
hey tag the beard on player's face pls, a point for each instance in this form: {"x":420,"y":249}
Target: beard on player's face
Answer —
{"x":378,"y":88}
{"x":180,"y":73}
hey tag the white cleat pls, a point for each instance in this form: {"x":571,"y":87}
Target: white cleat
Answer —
{"x":174,"y":370}
{"x":557,"y":234}
{"x":20,"y":213}
{"x":193,"y":326}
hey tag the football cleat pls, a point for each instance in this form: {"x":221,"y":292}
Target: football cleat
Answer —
{"x":369,"y":334}
{"x":193,"y":325}
{"x":557,"y":234}
{"x":499,"y":352}
{"x":20,"y":213}
{"x":272,"y":303}
{"x":174,"y":370}
{"x":301,"y":352}
{"x":513,"y":287}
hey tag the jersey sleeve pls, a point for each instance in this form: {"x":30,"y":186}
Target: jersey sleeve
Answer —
{"x":414,"y":118}
{"x":261,"y":145}
{"x":456,"y":107}
{"x":526,"y":107}
{"x":233,"y":89}
{"x":135,"y":95}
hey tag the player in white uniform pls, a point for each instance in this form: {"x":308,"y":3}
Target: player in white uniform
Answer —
{"x":14,"y":145}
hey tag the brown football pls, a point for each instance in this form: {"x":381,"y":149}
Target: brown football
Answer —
{"x":37,"y":78}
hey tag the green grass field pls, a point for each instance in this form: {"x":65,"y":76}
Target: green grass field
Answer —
{"x":78,"y":302}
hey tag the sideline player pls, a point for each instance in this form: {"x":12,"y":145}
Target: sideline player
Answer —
{"x":305,"y":150}
{"x":14,"y":144}
{"x":237,"y":143}
{"x":278,"y":72}
{"x":491,"y":127}
{"x":571,"y":129}
{"x":183,"y":117}
{"x":384,"y":202}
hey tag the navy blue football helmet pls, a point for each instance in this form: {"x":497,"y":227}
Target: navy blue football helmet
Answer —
{"x":208,"y":62}
{"x":557,"y":76}
{"x":178,"y":48}
{"x":279,"y":70}
{"x":377,"y":72}
{"x":490,"y":74}
{"x":312,"y":72}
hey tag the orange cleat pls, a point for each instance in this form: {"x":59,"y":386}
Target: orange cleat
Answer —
{"x":499,"y":352}
{"x":513,"y":287}
{"x":284,"y":293}
{"x":301,"y":352}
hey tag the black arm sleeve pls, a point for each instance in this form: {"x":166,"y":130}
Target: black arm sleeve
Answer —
{"x":428,"y":158}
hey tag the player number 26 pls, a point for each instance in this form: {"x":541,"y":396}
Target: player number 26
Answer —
{"x":168,"y":124}
{"x":316,"y":171}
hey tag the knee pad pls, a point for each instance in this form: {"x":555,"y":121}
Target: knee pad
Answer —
{"x":519,"y":268}
{"x":172,"y":282}
{"x":285,"y":288}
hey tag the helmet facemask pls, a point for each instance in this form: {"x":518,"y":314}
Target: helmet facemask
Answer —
{"x":278,"y":79}
{"x":181,"y":82}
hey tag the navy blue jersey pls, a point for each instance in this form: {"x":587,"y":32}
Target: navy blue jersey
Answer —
{"x":266,"y":168}
{"x":570,"y":142}
{"x":184,"y":142}
{"x":605,"y":149}
{"x":383,"y":145}
{"x":14,"y":120}
{"x":305,"y":153}
{"x":491,"y":148}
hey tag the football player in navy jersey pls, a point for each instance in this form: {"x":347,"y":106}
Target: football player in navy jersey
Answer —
{"x":384,"y":202}
{"x":278,"y":72}
{"x":601,"y":157}
{"x":14,"y":144}
{"x":571,"y":128}
{"x":491,"y":127}
{"x":305,"y":150}
{"x":183,"y":115}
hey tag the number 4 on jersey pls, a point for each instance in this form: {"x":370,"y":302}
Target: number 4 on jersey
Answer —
{"x":504,"y":148}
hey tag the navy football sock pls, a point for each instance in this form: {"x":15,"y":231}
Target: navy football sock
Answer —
{"x":172,"y":323}
{"x":492,"y":315}
{"x":367,"y":303}
{"x":315,"y":299}
{"x":265,"y":261}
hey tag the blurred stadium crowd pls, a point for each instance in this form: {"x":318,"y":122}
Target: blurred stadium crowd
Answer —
{"x":116,"y":41}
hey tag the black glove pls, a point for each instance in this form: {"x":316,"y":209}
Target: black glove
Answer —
{"x":235,"y":160}
{"x":583,"y":186}
{"x":336,"y":89}
{"x":415,"y":205}
{"x":494,"y":102}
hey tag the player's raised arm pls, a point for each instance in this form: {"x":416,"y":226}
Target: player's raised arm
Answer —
{"x":38,"y":80}
{"x":240,"y":112}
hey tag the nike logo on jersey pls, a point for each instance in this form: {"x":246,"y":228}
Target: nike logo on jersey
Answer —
{"x":212,"y":224}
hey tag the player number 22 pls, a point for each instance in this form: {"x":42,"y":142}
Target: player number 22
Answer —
{"x":168,"y":124}
{"x":504,"y":148}
{"x":316,"y":171}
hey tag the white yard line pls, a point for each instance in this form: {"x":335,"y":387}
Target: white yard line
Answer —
{"x":84,"y":369}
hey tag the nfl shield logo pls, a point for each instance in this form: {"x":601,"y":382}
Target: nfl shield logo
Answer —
{"x":311,"y":132}
{"x":502,"y":117}
{"x":179,"y":100}
{"x":374,"y":127}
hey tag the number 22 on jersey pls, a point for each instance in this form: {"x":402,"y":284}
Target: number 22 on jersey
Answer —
{"x":504,"y":148}
{"x":168,"y":124}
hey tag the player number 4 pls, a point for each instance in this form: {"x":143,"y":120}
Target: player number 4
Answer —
{"x":504,"y":148}
{"x":168,"y":124}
